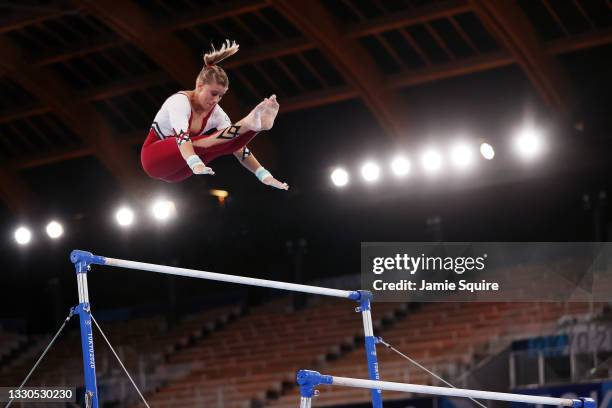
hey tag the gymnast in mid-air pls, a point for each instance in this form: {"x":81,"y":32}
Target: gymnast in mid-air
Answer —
{"x":191,"y":130}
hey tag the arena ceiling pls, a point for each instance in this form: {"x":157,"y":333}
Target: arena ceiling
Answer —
{"x":84,"y":78}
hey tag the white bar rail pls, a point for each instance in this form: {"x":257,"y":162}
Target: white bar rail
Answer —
{"x":89,"y":258}
{"x":451,"y":392}
{"x":308,"y":380}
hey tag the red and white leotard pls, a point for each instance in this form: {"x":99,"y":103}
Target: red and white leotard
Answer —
{"x":174,"y":118}
{"x":160,"y":155}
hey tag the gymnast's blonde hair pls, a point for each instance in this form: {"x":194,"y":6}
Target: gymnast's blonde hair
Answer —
{"x":212,"y":72}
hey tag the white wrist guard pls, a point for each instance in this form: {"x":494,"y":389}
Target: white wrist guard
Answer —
{"x":262,"y":173}
{"x":193,"y":161}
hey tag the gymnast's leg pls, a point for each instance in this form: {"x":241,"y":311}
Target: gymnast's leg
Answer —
{"x":161,"y":159}
{"x":181,"y":175}
{"x":260,"y":118}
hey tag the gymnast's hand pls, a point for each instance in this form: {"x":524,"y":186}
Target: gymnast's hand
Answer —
{"x":271,"y":181}
{"x":202,"y":169}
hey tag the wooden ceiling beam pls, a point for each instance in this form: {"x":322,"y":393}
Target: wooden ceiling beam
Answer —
{"x":268,"y":51}
{"x":93,"y":94}
{"x":80,"y":117}
{"x":222,"y":10}
{"x":128,"y":20}
{"x":55,"y":156}
{"x":79,"y":49}
{"x":25,"y":19}
{"x":22,"y":112}
{"x":350,"y":60}
{"x":16,"y":194}
{"x":405,"y":18}
{"x":287,"y":47}
{"x":507,"y":22}
{"x":264,"y":52}
{"x":461,"y":67}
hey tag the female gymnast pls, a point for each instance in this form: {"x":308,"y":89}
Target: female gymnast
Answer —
{"x":191,"y":130}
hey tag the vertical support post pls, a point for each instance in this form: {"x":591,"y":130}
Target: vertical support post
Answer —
{"x":573,"y":366}
{"x":541,"y":369}
{"x":305,"y":402}
{"x":81,"y":261}
{"x":370,"y":344}
{"x":308,"y":380}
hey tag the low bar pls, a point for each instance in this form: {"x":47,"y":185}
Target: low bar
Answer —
{"x":308,"y":380}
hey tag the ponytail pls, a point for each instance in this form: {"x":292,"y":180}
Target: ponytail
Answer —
{"x":212,"y":72}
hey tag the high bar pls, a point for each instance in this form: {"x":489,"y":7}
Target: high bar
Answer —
{"x":310,"y":379}
{"x":78,"y":256}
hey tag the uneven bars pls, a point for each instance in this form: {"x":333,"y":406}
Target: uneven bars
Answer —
{"x":87,"y":258}
{"x":308,"y":380}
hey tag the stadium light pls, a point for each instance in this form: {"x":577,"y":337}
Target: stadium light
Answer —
{"x":163,"y":209}
{"x":340,"y":177}
{"x":23,"y":235}
{"x":528,"y":142}
{"x":124,"y":216}
{"x":432,"y":161}
{"x":487,"y":151}
{"x":54,"y":229}
{"x":400,"y":166}
{"x":461,"y":155}
{"x":370,"y":171}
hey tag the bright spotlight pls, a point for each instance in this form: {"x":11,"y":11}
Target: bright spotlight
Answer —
{"x":400,"y":166}
{"x":432,"y":161}
{"x":163,"y":209}
{"x":54,"y":230}
{"x":23,"y":235}
{"x":124,"y":216}
{"x":370,"y":171}
{"x":461,"y":155}
{"x":340,"y":177}
{"x":528,"y":142}
{"x":487,"y":151}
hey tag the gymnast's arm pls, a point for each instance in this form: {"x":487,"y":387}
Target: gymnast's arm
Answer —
{"x":248,"y":160}
{"x":179,"y":110}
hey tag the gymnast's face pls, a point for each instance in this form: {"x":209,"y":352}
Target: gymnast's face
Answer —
{"x":208,"y":95}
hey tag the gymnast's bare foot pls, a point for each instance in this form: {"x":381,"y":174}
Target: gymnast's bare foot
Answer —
{"x":252,"y":121}
{"x":262,"y":116}
{"x":269,"y":113}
